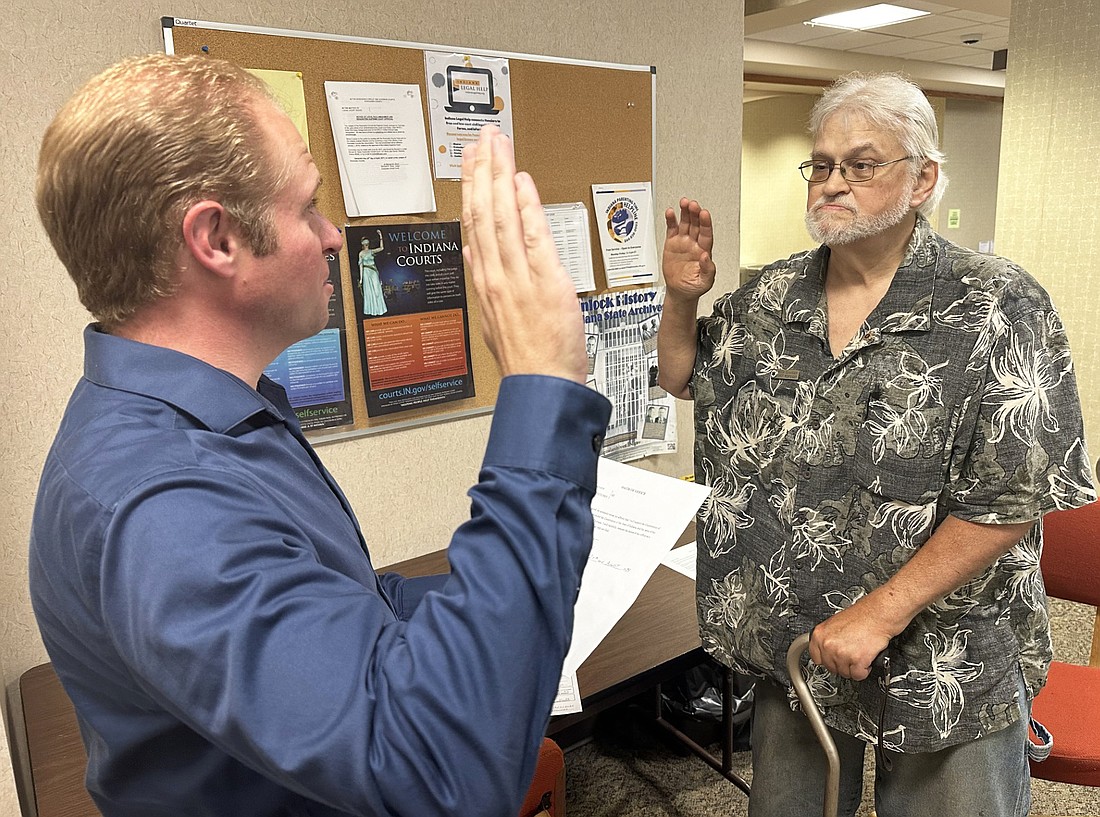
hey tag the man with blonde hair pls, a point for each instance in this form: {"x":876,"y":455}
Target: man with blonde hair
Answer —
{"x":200,"y":580}
{"x":883,"y":421}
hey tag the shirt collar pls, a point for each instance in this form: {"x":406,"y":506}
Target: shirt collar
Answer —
{"x":907,"y":304}
{"x":215,"y":398}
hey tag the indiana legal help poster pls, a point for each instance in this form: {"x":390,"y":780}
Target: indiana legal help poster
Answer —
{"x":412,"y":315}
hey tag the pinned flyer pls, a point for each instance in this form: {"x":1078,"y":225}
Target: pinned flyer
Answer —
{"x":465,"y":92}
{"x":624,"y":222}
{"x":381,"y":148}
{"x":569,"y":229}
{"x":289,"y":91}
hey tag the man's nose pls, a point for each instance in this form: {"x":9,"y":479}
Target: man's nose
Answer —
{"x":836,"y":182}
{"x":333,"y":238}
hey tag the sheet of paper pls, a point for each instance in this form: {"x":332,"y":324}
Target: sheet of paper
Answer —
{"x":569,"y":228}
{"x":287,"y":88}
{"x":682,"y":559}
{"x":569,"y":696}
{"x":381,"y":149}
{"x":624,"y":223}
{"x":638,"y":517}
{"x":465,"y":92}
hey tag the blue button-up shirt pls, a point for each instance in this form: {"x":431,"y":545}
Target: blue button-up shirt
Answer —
{"x":205,"y":594}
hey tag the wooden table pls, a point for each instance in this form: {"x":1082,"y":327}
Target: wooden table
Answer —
{"x":657,"y":638}
{"x":56,"y":753}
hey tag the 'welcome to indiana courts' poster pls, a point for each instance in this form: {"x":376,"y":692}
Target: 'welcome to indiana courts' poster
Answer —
{"x":412,"y":315}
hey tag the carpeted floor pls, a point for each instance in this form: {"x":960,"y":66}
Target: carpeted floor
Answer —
{"x":628,"y":770}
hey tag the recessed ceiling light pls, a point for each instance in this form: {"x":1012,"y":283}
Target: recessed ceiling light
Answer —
{"x":881,"y":14}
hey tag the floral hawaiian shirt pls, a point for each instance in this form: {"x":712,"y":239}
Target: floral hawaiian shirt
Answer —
{"x":957,"y":396}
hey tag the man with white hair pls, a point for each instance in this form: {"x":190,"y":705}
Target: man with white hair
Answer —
{"x":883,"y":421}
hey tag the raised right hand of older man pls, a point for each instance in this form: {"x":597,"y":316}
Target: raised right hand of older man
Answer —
{"x":530,"y":316}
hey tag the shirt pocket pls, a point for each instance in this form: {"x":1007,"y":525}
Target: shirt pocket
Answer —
{"x":901,"y":448}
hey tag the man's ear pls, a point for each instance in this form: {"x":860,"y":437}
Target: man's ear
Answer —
{"x":211,"y":237}
{"x":926,"y":183}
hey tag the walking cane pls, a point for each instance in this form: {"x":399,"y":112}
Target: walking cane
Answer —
{"x":802,"y":689}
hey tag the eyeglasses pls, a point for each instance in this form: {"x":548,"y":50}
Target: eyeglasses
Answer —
{"x":852,"y":170}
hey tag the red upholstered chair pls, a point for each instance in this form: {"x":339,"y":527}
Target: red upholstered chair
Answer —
{"x":1069,"y":705}
{"x":546,"y":796}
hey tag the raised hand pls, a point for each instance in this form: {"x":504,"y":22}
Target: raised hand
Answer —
{"x":686,"y":261}
{"x":530,"y":316}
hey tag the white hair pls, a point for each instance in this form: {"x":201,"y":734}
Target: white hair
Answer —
{"x":895,"y":105}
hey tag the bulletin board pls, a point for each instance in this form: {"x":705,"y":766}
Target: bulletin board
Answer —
{"x":576,"y":124}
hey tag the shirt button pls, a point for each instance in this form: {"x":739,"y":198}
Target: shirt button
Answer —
{"x":597,"y":442}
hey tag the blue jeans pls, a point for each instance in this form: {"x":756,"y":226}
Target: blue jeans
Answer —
{"x":988,"y":776}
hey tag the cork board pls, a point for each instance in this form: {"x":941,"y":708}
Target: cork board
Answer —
{"x":575,"y":124}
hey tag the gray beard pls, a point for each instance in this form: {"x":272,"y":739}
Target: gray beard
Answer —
{"x":861,"y":226}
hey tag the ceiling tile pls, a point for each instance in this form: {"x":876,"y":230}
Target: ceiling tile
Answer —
{"x":994,"y":43}
{"x":794,"y":34}
{"x":941,"y":54}
{"x":895,"y":47}
{"x":848,"y":40}
{"x":989,"y":44}
{"x":976,"y":59}
{"x":924,"y":25}
{"x":977,"y":16}
{"x":985,"y":34}
{"x":921,"y":5}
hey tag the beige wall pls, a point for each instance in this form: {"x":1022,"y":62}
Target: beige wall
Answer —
{"x":773,"y":193}
{"x":1048,"y":211}
{"x":9,"y":800}
{"x":971,"y":138}
{"x":408,"y":487}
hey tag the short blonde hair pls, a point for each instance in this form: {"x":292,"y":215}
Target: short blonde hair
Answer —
{"x":126,"y":157}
